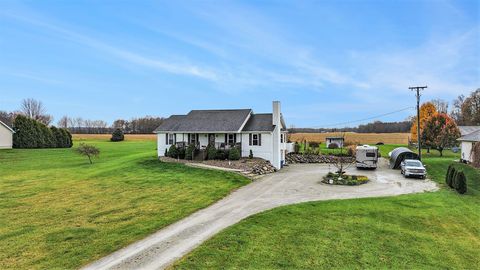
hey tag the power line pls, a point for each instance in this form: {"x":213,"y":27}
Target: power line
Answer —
{"x":365,"y":119}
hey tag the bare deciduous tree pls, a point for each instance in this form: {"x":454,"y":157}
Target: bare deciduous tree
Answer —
{"x":34,"y":109}
{"x":441,"y":105}
{"x":64,"y":122}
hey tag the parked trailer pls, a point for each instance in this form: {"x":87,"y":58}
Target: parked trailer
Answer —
{"x":367,"y":156}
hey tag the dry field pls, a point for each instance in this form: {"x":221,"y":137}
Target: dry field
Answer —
{"x":353,"y":138}
{"x":128,"y":137}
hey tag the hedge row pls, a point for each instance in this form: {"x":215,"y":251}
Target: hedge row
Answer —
{"x":30,"y":133}
{"x":456,"y":179}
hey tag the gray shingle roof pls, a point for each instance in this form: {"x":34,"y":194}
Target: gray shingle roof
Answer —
{"x":464,"y":130}
{"x":206,"y":121}
{"x":472,"y":137}
{"x":259,"y":122}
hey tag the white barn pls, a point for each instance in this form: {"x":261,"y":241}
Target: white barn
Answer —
{"x":265,"y":134}
{"x":470,"y":136}
{"x":6,"y":136}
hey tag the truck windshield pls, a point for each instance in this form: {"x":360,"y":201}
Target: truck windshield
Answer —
{"x":413,"y":164}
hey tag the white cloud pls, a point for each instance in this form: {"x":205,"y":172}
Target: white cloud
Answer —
{"x":130,"y":56}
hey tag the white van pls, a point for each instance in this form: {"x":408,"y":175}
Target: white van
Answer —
{"x":367,"y":156}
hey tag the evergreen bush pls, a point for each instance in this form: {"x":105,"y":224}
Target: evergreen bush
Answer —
{"x":181,"y":153}
{"x":117,"y":135}
{"x":449,"y":175}
{"x":460,"y":182}
{"x":250,"y":156}
{"x":30,"y":133}
{"x":173,"y":151}
{"x":221,"y":154}
{"x":190,"y":152}
{"x":211,"y":152}
{"x":234,"y":154}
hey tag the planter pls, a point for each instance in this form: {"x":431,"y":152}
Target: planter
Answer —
{"x":346,"y":180}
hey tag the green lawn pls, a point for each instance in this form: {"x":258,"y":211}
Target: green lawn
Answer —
{"x":438,"y":230}
{"x":58,"y":211}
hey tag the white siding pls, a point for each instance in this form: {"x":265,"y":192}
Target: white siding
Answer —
{"x":6,"y":137}
{"x":265,"y":150}
{"x":262,"y":151}
{"x":466,"y":151}
{"x":161,"y":146}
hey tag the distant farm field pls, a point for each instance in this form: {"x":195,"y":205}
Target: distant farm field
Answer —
{"x":128,"y":137}
{"x":354,"y":138}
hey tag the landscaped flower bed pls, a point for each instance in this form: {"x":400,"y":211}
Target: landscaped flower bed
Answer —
{"x":343,"y":179}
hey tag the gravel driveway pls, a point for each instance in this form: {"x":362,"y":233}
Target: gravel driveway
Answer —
{"x":293,"y":184}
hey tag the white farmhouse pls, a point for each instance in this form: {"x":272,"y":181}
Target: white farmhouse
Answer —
{"x":470,"y":136}
{"x":265,"y":134}
{"x":6,"y":136}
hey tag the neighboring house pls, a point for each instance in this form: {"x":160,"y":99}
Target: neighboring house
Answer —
{"x":6,"y":136}
{"x":339,"y":141}
{"x":470,"y":136}
{"x":265,"y":133}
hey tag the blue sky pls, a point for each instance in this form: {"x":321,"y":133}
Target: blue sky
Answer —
{"x":326,"y":61}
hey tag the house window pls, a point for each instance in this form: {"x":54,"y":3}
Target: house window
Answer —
{"x":231,"y":139}
{"x":170,"y":138}
{"x":255,"y":139}
{"x":193,"y":138}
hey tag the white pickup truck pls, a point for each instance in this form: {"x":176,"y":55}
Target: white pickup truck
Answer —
{"x":413,"y":167}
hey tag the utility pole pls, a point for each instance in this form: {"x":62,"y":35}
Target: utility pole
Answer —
{"x":418,"y":89}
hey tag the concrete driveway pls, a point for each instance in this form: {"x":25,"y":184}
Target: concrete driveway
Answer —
{"x":293,"y":184}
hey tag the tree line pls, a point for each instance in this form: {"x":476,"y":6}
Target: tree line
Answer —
{"x":34,"y":109}
{"x":465,"y":111}
{"x":374,"y":127}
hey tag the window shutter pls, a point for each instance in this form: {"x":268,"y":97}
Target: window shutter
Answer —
{"x":250,"y":139}
{"x":234,"y":138}
{"x":175,"y":138}
{"x":259,"y":139}
{"x":226,"y":138}
{"x":166,"y":138}
{"x":188,"y":138}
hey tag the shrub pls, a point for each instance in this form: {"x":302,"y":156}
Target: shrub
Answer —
{"x":181,"y":153}
{"x":221,"y":154}
{"x":88,"y":151}
{"x":351,"y":151}
{"x":296,"y":148}
{"x":451,"y":176}
{"x":333,"y":146}
{"x":190,"y":152}
{"x":460,"y":182}
{"x":68,"y":143}
{"x":234,"y":154}
{"x":211,"y":152}
{"x":117,"y":135}
{"x":250,"y":156}
{"x":173,"y":151}
{"x":448,"y":176}
{"x":314,"y":144}
{"x":30,"y":133}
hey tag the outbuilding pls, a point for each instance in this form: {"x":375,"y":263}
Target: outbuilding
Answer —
{"x":6,"y":136}
{"x":467,"y":142}
{"x":339,"y":141}
{"x":399,"y":154}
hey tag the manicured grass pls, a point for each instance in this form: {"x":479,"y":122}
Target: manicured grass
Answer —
{"x":438,"y":230}
{"x":57,"y":211}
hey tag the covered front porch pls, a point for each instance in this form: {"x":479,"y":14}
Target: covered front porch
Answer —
{"x":202,"y":140}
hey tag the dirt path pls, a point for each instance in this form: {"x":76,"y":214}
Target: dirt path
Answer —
{"x":294,"y":184}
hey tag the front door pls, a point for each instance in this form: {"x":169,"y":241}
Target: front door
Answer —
{"x":211,"y":139}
